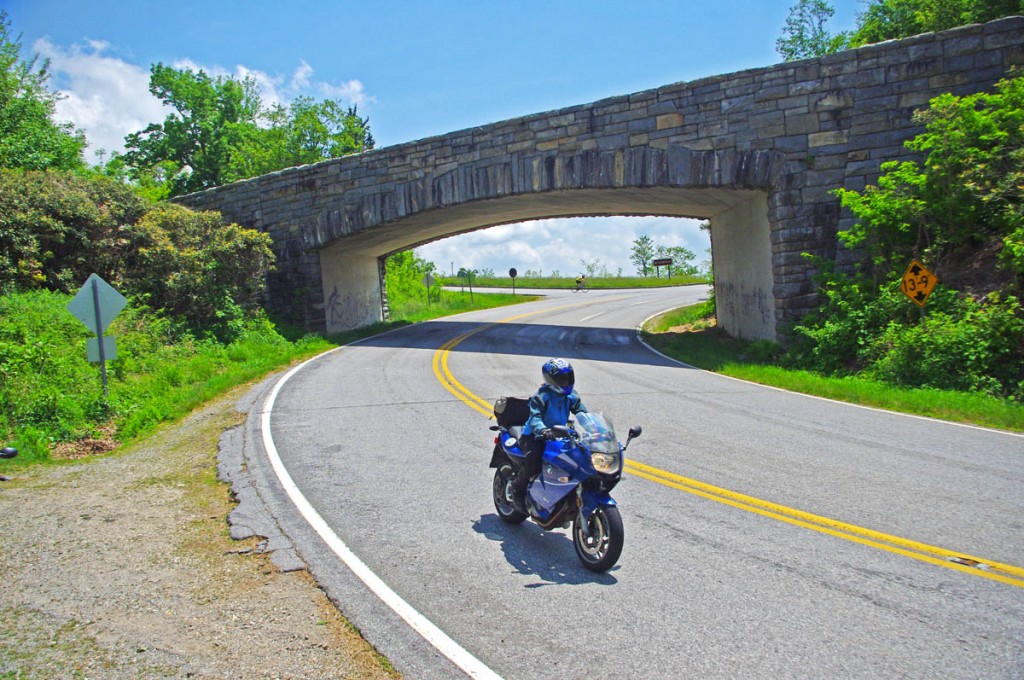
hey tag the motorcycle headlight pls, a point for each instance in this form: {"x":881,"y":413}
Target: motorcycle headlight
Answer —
{"x":606,"y":463}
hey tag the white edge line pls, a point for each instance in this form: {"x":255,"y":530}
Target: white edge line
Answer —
{"x":455,"y":653}
{"x":639,"y":337}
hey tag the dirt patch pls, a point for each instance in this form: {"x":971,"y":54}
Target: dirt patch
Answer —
{"x":120,"y":566}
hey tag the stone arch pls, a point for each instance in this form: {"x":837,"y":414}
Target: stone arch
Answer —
{"x":727,"y":188}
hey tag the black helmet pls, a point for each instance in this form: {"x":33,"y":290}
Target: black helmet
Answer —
{"x":559,"y":375}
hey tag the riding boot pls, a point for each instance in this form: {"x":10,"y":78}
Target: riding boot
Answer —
{"x":518,"y":491}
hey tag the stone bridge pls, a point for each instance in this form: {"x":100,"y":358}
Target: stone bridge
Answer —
{"x":758,"y":153}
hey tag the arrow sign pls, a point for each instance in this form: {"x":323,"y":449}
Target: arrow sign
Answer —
{"x":918,"y":283}
{"x":96,"y":304}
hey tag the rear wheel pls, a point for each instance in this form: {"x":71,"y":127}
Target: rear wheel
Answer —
{"x":599,"y":544}
{"x":502,"y":491}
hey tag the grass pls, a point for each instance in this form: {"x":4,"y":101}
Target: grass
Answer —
{"x":687,"y":335}
{"x":453,"y":302}
{"x":51,"y":401}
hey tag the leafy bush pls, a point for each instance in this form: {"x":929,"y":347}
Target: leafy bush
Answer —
{"x":50,"y":393}
{"x":974,"y":347}
{"x":57,"y":228}
{"x":189,"y":265}
{"x":960,"y":212}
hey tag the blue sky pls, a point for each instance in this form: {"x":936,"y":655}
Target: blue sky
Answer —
{"x":417,"y":69}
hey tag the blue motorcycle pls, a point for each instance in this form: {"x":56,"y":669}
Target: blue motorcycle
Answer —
{"x":579,"y":467}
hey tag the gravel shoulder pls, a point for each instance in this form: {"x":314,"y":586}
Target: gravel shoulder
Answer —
{"x":123,"y":566}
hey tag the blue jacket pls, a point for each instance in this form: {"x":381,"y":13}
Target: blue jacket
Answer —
{"x":549,"y":408}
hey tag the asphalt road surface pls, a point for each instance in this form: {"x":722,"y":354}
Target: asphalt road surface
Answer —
{"x":768,"y":534}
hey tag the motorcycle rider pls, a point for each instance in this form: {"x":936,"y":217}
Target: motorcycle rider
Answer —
{"x":550,"y":406}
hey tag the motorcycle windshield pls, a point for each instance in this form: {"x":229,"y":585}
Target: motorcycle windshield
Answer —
{"x":596,"y":433}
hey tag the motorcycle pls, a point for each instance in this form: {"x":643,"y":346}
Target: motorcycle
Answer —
{"x":579,"y":466}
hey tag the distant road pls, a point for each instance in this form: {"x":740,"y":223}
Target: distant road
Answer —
{"x":768,"y":534}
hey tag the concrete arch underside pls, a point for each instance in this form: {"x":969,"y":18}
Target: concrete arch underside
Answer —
{"x":351,"y":267}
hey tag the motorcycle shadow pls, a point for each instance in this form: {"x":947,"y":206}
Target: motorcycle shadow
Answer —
{"x":532,"y":551}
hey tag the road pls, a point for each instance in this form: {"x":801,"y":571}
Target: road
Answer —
{"x":768,"y":534}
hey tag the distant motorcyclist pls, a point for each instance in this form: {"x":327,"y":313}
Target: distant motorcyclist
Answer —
{"x":554,"y":401}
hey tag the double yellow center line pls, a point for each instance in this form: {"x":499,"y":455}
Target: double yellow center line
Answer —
{"x":950,"y":559}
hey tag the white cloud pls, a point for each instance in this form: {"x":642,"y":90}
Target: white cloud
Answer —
{"x":109,"y":98}
{"x":103,"y":95}
{"x":560,"y":244}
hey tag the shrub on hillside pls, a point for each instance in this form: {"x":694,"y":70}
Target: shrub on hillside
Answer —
{"x":958,"y":212}
{"x":57,"y":228}
{"x":193,"y":268}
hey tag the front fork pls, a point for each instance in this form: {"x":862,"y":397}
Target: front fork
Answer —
{"x":587,"y":501}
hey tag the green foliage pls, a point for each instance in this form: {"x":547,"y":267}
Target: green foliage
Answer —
{"x":29,"y":138}
{"x":57,"y":228}
{"x":404,"y":278}
{"x":960,"y":213}
{"x":702,"y":345}
{"x":682,"y":260}
{"x":198,"y":270}
{"x":642,"y":253}
{"x":49,"y":393}
{"x":892,"y":19}
{"x":220,"y":131}
{"x":968,"y":196}
{"x":805,"y":35}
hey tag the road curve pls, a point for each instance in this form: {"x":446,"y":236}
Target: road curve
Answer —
{"x":767,"y":534}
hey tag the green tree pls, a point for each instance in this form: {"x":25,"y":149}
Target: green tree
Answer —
{"x":682,"y":260}
{"x":307,"y":131}
{"x":58,"y":227}
{"x":29,"y":137}
{"x":593,"y":267}
{"x":197,"y":269}
{"x":210,"y":118}
{"x":404,"y":273}
{"x":642,"y":253}
{"x":805,"y":35}
{"x":220,"y":131}
{"x":893,"y":19}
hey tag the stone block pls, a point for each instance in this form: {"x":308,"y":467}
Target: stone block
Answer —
{"x":801,"y":124}
{"x":830,"y":138}
{"x":669,"y":120}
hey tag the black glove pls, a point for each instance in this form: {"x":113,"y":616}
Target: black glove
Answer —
{"x":547,"y":434}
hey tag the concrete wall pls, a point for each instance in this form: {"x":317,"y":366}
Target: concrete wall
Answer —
{"x":790,"y":133}
{"x":741,"y":256}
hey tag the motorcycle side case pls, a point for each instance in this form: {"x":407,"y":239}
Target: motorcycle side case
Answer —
{"x":507,"y":448}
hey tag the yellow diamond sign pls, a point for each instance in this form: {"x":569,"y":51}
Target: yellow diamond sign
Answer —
{"x":918,"y":283}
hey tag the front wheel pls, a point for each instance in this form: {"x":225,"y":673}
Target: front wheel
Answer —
{"x":501,"y":490}
{"x":600,"y":545}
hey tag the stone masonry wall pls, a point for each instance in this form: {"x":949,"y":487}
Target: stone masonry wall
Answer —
{"x":796,"y":131}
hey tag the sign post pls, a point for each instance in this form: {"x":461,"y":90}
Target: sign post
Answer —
{"x":96,"y":305}
{"x":513,"y":273}
{"x":428,"y":281}
{"x":663,"y":262}
{"x":918,"y":283}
